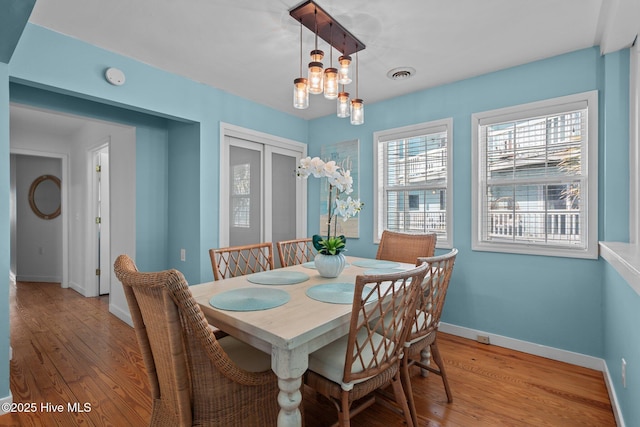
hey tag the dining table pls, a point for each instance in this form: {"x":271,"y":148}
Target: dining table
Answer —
{"x":288,"y":313}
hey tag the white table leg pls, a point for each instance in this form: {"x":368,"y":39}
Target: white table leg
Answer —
{"x":289,"y":366}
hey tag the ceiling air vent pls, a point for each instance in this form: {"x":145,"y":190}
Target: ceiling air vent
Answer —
{"x":401,"y":73}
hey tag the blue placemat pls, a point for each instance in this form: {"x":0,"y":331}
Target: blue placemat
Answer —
{"x":376,"y":263}
{"x":334,"y":293}
{"x":250,"y":299}
{"x":277,"y":277}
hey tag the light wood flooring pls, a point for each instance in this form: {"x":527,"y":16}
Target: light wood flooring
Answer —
{"x":69,"y":350}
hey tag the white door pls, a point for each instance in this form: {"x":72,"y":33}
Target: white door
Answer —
{"x":280,"y":193}
{"x":266,"y":202}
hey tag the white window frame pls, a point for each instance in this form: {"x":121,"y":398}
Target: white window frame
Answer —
{"x":590,"y":148}
{"x":379,"y":210}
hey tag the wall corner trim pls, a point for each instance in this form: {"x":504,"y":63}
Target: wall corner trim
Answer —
{"x":625,"y":259}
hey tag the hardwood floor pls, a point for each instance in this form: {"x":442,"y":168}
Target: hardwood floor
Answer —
{"x":69,"y":350}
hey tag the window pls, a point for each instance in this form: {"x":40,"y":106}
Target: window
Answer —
{"x":241,"y":195}
{"x":413,"y":180}
{"x":535,"y":178}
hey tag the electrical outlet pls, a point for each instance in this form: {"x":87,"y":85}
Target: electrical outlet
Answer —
{"x":624,"y":373}
{"x":483,"y":339}
{"x":183,"y":254}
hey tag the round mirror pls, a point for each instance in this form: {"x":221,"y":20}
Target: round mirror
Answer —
{"x":44,"y":196}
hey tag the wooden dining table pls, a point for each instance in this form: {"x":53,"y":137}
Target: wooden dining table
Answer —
{"x":293,"y":329}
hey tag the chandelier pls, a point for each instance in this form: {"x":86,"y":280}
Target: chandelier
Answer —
{"x":329,"y":81}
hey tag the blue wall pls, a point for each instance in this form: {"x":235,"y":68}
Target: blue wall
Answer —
{"x":546,"y":300}
{"x":182,"y":114}
{"x":556,"y":302}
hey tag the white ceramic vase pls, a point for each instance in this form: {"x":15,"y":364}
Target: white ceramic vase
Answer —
{"x":330,"y":265}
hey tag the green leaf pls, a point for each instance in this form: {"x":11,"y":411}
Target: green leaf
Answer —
{"x":317,"y":242}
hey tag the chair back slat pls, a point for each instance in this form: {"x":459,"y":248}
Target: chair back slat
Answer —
{"x":375,"y":339}
{"x":297,"y":251}
{"x":406,"y":247}
{"x":434,"y":292}
{"x":241,"y":260}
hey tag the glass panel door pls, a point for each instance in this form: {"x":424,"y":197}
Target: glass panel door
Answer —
{"x":261,"y":199}
{"x":245,"y":193}
{"x":282,"y":195}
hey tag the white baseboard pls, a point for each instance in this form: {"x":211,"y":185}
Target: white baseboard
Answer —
{"x":121,"y":314}
{"x":47,"y":279}
{"x":527,"y":347}
{"x":4,"y":401}
{"x":613,"y":396}
{"x":560,"y":355}
{"x":78,"y":288}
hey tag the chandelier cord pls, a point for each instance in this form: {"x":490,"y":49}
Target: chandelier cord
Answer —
{"x":315,"y":18}
{"x":300,"y":47}
{"x":331,"y":44}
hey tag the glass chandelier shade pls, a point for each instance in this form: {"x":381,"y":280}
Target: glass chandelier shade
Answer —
{"x":331,"y":83}
{"x":344,"y":73}
{"x":300,"y":85}
{"x":300,"y":93}
{"x":343,"y":105}
{"x":316,"y":72}
{"x":357,"y":111}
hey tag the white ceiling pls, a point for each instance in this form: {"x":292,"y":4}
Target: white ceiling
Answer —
{"x":251,"y":47}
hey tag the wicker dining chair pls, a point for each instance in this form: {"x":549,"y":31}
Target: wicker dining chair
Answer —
{"x":240,"y":260}
{"x":364,"y":361}
{"x":195,"y":379}
{"x":406,"y":247}
{"x":296,"y":251}
{"x":421,"y":343}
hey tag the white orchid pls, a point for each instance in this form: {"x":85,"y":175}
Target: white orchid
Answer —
{"x":304,"y":167}
{"x":348,"y":208}
{"x":341,"y":181}
{"x":331,"y":169}
{"x":317,"y":167}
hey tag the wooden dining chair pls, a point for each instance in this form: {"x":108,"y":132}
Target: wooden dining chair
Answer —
{"x":351,"y":368}
{"x":406,"y":247}
{"x":421,"y":343}
{"x":296,"y":251}
{"x":240,"y":260}
{"x":195,"y":379}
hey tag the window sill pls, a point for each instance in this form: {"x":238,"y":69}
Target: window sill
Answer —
{"x":625,"y":258}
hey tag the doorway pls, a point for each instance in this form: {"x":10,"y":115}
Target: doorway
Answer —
{"x":76,"y":140}
{"x":37,"y":240}
{"x":266,"y":202}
